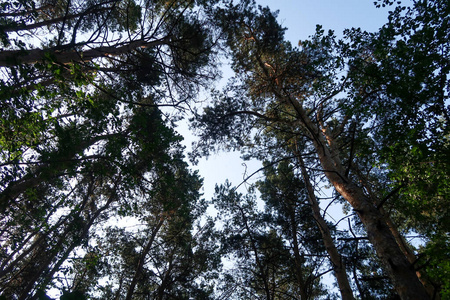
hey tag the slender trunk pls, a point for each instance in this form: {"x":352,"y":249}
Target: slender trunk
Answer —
{"x":60,"y":245}
{"x":140,"y":265}
{"x":335,"y":258}
{"x":264,"y":274}
{"x":45,"y":259}
{"x":40,"y":236}
{"x":298,"y":258}
{"x":165,"y":281}
{"x":83,"y":235}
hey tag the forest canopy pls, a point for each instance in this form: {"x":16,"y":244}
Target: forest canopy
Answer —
{"x":98,"y":200}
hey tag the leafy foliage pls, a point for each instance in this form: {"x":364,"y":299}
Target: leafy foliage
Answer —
{"x":269,"y":262}
{"x":370,"y":112}
{"x":85,"y":145}
{"x":97,"y":202}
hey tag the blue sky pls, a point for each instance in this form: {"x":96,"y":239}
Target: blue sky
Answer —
{"x":302,"y":16}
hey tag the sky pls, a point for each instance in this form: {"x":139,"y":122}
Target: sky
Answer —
{"x":300,"y":17}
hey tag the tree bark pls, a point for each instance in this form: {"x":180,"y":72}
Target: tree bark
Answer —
{"x":431,"y":290}
{"x":399,"y":269}
{"x":298,"y":258}
{"x":141,"y":262}
{"x":335,"y":258}
{"x":51,"y":254}
{"x":263,"y":273}
{"x":165,"y":282}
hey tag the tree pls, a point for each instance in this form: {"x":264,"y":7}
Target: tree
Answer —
{"x":161,"y":259}
{"x":301,"y":92}
{"x":275,"y":257}
{"x":84,"y":139}
{"x":40,"y":95}
{"x":405,"y":67}
{"x":299,"y":217}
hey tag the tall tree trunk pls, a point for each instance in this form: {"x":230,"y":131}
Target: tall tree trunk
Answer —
{"x":399,"y":269}
{"x":165,"y":282}
{"x":141,"y":262}
{"x":263,"y":273}
{"x":59,"y":249}
{"x":335,"y":258}
{"x":298,"y":258}
{"x":431,"y":290}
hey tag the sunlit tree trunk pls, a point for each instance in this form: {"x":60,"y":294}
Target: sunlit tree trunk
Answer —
{"x":400,"y":270}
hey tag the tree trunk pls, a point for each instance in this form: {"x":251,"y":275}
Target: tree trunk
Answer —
{"x":144,"y":253}
{"x":399,"y":269}
{"x":165,"y":281}
{"x":431,"y":290}
{"x":397,"y":266}
{"x":263,"y":273}
{"x":57,"y":249}
{"x":335,"y":258}
{"x":298,"y":258}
